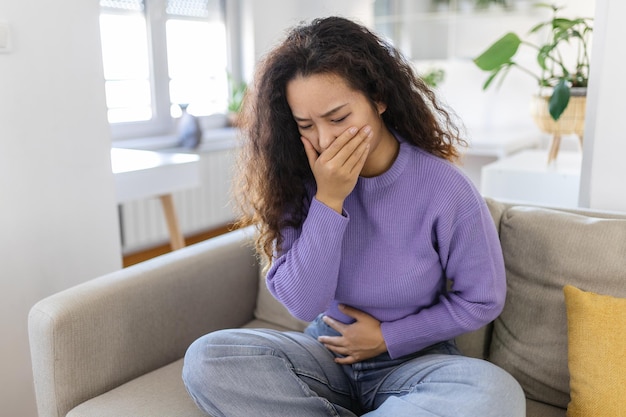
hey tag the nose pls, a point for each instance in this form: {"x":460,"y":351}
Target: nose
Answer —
{"x":326,"y":136}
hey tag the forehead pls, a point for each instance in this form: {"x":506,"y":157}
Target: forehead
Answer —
{"x":318,"y":93}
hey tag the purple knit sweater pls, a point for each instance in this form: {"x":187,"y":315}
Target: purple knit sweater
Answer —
{"x":402,"y":235}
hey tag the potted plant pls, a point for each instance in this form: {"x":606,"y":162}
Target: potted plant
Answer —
{"x":434,"y":76}
{"x":562,"y":76}
{"x":235,"y":99}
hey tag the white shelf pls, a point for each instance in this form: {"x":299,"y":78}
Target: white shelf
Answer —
{"x":527,"y":176}
{"x":500,"y":143}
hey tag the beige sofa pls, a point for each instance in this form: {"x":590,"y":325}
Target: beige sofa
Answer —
{"x":113,"y":346}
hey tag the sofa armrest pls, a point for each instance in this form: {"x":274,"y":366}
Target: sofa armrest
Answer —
{"x":98,"y":335}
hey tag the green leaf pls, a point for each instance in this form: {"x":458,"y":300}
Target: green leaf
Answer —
{"x":559,"y":100}
{"x":491,"y":78}
{"x":546,"y":5}
{"x":539,"y":26}
{"x":501,"y":71}
{"x":499,"y":53}
{"x":543,"y":55}
{"x":564,"y":24}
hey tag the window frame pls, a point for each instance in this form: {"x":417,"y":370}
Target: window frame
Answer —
{"x":162,"y":123}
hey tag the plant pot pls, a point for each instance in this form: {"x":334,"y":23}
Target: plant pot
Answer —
{"x":572,"y":121}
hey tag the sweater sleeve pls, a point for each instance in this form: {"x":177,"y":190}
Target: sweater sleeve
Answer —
{"x":471,"y":257}
{"x":304,"y":275}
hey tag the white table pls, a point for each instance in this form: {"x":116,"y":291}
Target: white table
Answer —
{"x":527,"y":176}
{"x":143,"y":174}
{"x":489,"y":145}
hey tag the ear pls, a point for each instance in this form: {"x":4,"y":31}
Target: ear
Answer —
{"x":381,"y":107}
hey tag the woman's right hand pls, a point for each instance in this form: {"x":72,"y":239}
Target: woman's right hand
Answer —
{"x":337,"y":168}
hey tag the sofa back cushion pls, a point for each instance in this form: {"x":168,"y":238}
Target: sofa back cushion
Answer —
{"x":543,"y":251}
{"x":271,"y":310}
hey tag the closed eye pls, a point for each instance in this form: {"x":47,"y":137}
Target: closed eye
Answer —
{"x":341,"y":119}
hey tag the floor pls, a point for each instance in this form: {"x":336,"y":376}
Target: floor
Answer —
{"x":137,"y":257}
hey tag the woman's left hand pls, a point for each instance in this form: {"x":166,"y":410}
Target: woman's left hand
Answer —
{"x":360,"y":340}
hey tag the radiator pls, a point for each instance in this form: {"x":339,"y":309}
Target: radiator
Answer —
{"x":199,"y":209}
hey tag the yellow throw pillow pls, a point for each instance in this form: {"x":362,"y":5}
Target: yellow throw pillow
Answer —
{"x":596,"y":331}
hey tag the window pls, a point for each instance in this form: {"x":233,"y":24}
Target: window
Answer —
{"x":159,"y":54}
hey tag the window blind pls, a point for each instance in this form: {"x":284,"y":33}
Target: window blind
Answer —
{"x":130,"y":5}
{"x":206,"y":9}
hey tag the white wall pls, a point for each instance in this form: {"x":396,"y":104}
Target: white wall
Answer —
{"x":58,"y":219}
{"x":266,"y":21}
{"x":604,"y":170}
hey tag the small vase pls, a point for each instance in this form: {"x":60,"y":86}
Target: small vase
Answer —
{"x":188,"y":130}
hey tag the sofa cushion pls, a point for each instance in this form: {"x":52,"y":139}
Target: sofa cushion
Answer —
{"x":543,"y":251}
{"x":597,"y":353}
{"x":537,"y":409}
{"x":156,"y":394}
{"x":269,"y":309}
{"x":262,"y":324}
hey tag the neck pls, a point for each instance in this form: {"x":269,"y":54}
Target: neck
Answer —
{"x":382,"y":156}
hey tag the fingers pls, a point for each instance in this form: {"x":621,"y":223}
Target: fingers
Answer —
{"x":337,"y":168}
{"x":334,"y":342}
{"x":336,"y":325}
{"x":351,"y":311}
{"x":360,"y":340}
{"x":336,"y":345}
{"x":357,"y":160}
{"x":350,"y":149}
{"x":346,"y":360}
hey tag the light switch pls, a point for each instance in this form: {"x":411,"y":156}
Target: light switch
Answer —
{"x":5,"y":37}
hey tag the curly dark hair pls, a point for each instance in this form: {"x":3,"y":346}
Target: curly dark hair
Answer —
{"x":270,"y":187}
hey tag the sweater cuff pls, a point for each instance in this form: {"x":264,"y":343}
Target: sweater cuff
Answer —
{"x":398,"y":345}
{"x":319,"y":209}
{"x":393,"y":336}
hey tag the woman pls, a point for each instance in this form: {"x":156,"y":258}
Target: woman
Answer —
{"x":370,"y":232}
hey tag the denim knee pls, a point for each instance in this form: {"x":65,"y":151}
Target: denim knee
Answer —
{"x":234,"y":372}
{"x":501,"y":388}
{"x":197,"y":366}
{"x":193,"y":367}
{"x":208,"y":358}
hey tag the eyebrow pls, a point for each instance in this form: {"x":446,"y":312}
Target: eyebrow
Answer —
{"x":328,"y":113}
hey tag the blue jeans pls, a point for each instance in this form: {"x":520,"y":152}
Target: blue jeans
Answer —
{"x":267,"y":373}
